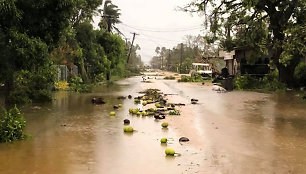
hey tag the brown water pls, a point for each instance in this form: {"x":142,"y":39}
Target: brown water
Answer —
{"x":236,"y":132}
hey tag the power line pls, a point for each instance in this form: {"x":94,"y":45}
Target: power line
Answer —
{"x":149,"y":38}
{"x":146,"y":28}
{"x":163,"y":31}
{"x":164,"y":39}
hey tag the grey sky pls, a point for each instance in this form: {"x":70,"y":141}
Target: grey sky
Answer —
{"x":156,"y":15}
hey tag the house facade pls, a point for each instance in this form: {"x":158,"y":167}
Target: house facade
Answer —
{"x":237,"y":64}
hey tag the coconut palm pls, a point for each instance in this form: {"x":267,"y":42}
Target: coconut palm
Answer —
{"x":110,"y":17}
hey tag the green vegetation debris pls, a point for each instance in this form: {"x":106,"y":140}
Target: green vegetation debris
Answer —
{"x":170,"y":152}
{"x":128,"y":129}
{"x":164,"y":124}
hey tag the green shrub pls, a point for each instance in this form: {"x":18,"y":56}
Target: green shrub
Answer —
{"x":61,"y":85}
{"x":19,"y":96}
{"x":42,"y":95}
{"x":271,"y":83}
{"x":32,"y":86}
{"x":77,"y":85}
{"x":245,"y":82}
{"x":300,"y":74}
{"x":169,"y":78}
{"x":195,"y":77}
{"x":132,"y":71}
{"x":12,"y":125}
{"x":100,"y":78}
{"x":185,"y":79}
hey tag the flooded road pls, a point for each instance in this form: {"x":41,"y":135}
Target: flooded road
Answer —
{"x":235,"y":132}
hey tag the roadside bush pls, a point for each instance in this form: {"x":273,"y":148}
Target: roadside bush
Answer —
{"x":268,"y":83}
{"x":169,"y":78}
{"x":12,"y":125}
{"x":300,"y":74}
{"x":245,"y":82}
{"x":61,"y":85}
{"x":132,"y":71}
{"x":19,"y":96}
{"x":100,"y":78}
{"x":42,"y":95}
{"x":77,"y":85}
{"x":32,"y":86}
{"x":195,"y":77}
{"x":185,"y":79}
{"x":271,"y":83}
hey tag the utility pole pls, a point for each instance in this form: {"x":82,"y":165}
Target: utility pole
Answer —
{"x":162,"y":62}
{"x":128,"y":58}
{"x":168,"y":61}
{"x":181,"y":58}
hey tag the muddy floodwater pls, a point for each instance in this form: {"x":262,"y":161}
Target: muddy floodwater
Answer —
{"x":234,"y":132}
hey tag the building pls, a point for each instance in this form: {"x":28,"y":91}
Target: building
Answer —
{"x":63,"y":72}
{"x":236,"y":63}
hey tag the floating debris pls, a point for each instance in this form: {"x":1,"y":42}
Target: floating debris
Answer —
{"x":170,"y":152}
{"x":163,"y":140}
{"x":183,"y":139}
{"x":159,"y":117}
{"x":175,"y":112}
{"x":116,"y":107}
{"x":97,"y":100}
{"x":128,"y":129}
{"x":113,"y":113}
{"x":218,"y":88}
{"x":194,"y":101}
{"x":164,"y":124}
{"x":126,"y":121}
{"x":121,"y":97}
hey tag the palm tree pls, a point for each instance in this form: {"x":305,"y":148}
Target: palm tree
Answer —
{"x":110,"y":17}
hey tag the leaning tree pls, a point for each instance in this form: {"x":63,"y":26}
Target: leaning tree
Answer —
{"x":274,"y":27}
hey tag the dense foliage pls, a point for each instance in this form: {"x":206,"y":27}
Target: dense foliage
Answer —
{"x":76,"y":84}
{"x":268,"y":83}
{"x":35,"y":35}
{"x":12,"y":125}
{"x":267,"y":27}
{"x":300,"y":74}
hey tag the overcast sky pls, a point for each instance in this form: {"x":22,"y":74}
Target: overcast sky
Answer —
{"x":157,"y":22}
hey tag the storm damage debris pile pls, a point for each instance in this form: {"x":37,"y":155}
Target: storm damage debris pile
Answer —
{"x":161,"y":106}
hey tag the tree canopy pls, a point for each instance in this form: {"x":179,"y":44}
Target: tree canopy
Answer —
{"x":35,"y":35}
{"x":264,"y":26}
{"x":194,"y":49}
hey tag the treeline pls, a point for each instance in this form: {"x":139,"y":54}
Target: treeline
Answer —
{"x":180,"y":58}
{"x":35,"y":35}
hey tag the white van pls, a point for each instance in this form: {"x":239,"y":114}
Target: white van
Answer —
{"x":202,"y":68}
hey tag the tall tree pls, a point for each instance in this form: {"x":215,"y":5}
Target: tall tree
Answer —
{"x":29,"y":30}
{"x":85,"y":10}
{"x":110,"y":17}
{"x":263,"y":25}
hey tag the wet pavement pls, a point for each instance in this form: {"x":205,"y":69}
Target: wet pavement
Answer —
{"x":234,"y":132}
